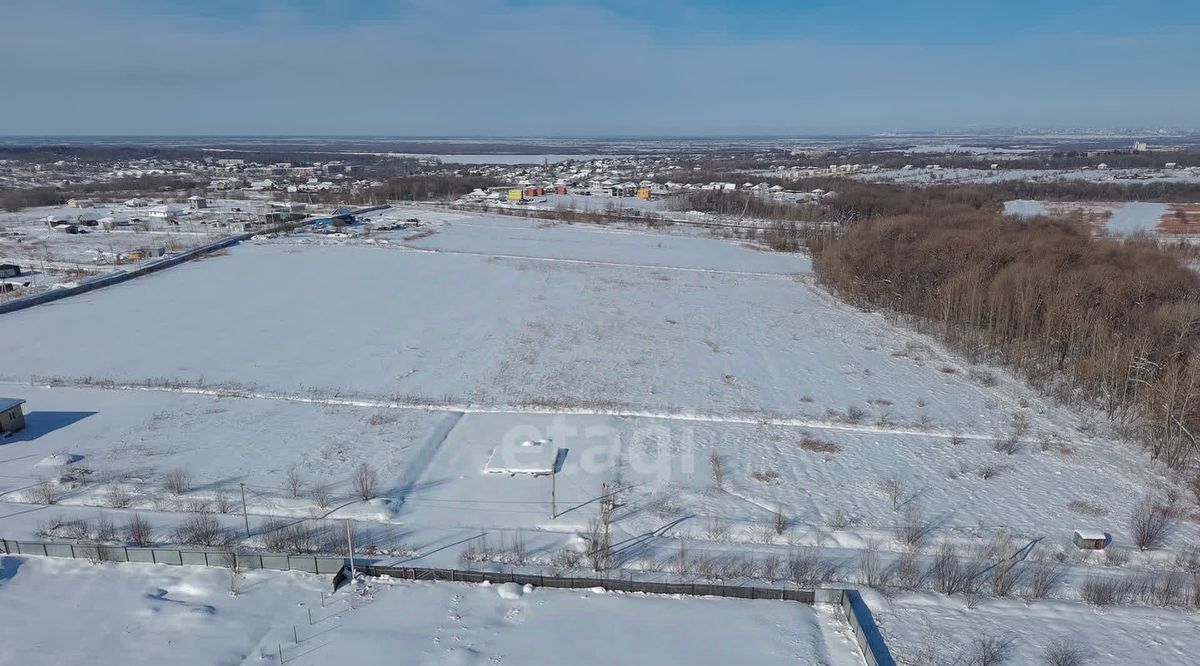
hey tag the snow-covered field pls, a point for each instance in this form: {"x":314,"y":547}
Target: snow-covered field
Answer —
{"x":72,"y":612}
{"x":713,"y":385}
{"x":928,"y":628}
{"x":482,"y":624}
{"x":56,"y":611}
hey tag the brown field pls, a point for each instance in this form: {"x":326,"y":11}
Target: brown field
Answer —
{"x":1181,"y":219}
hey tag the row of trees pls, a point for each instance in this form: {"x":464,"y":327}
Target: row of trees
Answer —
{"x":1113,"y":323}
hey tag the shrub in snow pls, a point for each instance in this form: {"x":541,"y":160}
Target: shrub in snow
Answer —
{"x":1148,"y":524}
{"x":1065,"y":653}
{"x":913,"y":528}
{"x":201,"y":529}
{"x":1101,"y":590}
{"x":1047,"y":573}
{"x":321,"y":495}
{"x":177,"y":481}
{"x":990,"y":650}
{"x":366,"y":482}
{"x":222,"y":502}
{"x":718,"y":470}
{"x":45,"y":492}
{"x":117,"y":496}
{"x":138,"y":531}
{"x":293,"y":484}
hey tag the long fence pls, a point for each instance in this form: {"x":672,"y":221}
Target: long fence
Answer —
{"x":857,"y":613}
{"x":177,"y":557}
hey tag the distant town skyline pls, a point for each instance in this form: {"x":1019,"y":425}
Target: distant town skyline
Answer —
{"x":594,"y":68}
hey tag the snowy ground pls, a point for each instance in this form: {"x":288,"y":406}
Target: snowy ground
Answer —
{"x":56,"y":611}
{"x":929,"y":629}
{"x":646,"y":357}
{"x":481,"y":624}
{"x":70,"y":611}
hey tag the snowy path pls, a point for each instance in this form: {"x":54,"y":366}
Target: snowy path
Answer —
{"x":564,"y":410}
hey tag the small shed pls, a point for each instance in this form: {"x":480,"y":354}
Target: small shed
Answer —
{"x":9,"y":270}
{"x":12,"y":418}
{"x":1090,"y":539}
{"x":197,"y":202}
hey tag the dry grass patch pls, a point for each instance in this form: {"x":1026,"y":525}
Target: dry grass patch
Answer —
{"x":1087,"y":508}
{"x":810,"y":443}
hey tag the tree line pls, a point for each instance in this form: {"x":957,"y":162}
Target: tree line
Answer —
{"x":1093,"y":321}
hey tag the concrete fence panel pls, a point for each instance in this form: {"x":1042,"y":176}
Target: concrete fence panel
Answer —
{"x":142,"y":555}
{"x":193,"y":557}
{"x":50,"y":549}
{"x":330,"y":565}
{"x":277,"y":562}
{"x":163,"y":556}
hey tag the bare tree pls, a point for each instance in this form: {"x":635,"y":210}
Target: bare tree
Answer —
{"x":223,"y":502}
{"x":991,"y":650}
{"x":1047,"y":573}
{"x":177,"y":481}
{"x":946,"y":569}
{"x":366,"y":482}
{"x":201,"y":529}
{"x":893,"y":489}
{"x":718,"y":470}
{"x":599,"y":553}
{"x":231,"y":561}
{"x":1148,"y":524}
{"x":117,"y":496}
{"x":781,"y":522}
{"x":138,"y":531}
{"x":46,"y":492}
{"x":913,"y":527}
{"x":321,"y":495}
{"x":293,"y":484}
{"x":104,"y":529}
{"x":871,"y":569}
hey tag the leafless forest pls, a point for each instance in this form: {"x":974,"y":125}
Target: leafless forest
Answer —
{"x":1092,"y":321}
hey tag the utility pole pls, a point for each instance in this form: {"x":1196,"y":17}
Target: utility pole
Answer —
{"x":553,"y":489}
{"x":350,"y":546}
{"x":245,"y":513}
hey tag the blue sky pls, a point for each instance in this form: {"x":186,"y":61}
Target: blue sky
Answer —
{"x":594,"y":67}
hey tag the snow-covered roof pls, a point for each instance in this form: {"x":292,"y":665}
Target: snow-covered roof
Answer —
{"x":8,"y":403}
{"x":1091,"y":535}
{"x":525,"y":457}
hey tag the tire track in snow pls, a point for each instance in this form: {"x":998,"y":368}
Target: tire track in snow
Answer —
{"x":565,"y":410}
